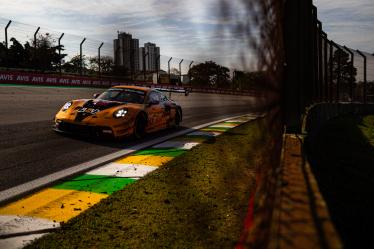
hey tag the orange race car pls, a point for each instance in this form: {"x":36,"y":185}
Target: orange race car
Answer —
{"x":119,"y":112}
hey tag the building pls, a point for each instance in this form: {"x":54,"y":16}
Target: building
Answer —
{"x":151,"y":53}
{"x":126,"y":52}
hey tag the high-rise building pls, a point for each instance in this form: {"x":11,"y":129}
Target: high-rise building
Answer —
{"x":151,"y":54}
{"x":126,"y":52}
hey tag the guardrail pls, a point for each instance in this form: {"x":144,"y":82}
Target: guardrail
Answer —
{"x":28,"y":78}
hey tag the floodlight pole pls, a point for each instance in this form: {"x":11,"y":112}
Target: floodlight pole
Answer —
{"x":6,"y":33}
{"x":81,"y":55}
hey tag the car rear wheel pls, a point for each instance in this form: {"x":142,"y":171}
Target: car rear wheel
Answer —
{"x":177,"y":119}
{"x":140,"y":125}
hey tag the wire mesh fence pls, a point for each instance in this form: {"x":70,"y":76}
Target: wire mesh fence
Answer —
{"x":170,"y":69}
{"x":342,"y":74}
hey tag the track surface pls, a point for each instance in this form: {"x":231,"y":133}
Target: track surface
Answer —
{"x":29,"y":149}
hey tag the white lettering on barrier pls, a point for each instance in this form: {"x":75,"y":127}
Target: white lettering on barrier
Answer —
{"x":64,"y":81}
{"x":6,"y":77}
{"x":75,"y":82}
{"x":23,"y":78}
{"x":37,"y":79}
{"x":96,"y":82}
{"x":86,"y":82}
{"x":51,"y":80}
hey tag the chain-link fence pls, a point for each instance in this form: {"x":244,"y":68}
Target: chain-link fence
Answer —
{"x":22,"y":50}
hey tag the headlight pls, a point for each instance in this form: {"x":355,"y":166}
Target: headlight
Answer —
{"x":120,"y":113}
{"x":66,"y":106}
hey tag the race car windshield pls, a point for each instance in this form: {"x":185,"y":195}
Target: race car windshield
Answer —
{"x":123,"y":95}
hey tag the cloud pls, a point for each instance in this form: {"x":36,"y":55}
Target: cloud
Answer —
{"x":186,"y":29}
{"x":349,"y":22}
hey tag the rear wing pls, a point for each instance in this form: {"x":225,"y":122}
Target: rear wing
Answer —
{"x":185,"y":90}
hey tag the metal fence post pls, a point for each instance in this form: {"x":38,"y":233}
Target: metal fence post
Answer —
{"x":338,"y":83}
{"x":36,"y":32}
{"x":59,"y":51}
{"x":158,"y":67}
{"x":320,"y":65}
{"x":331,"y":94}
{"x":6,"y":33}
{"x":315,"y":89}
{"x":325,"y":63}
{"x":99,"y":57}
{"x":189,"y":71}
{"x":180,"y":71}
{"x":81,"y":56}
{"x":144,"y":64}
{"x":351,"y":83}
{"x":169,"y":68}
{"x":365,"y":75}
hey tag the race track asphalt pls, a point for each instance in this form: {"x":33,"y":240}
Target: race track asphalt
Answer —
{"x":29,"y":149}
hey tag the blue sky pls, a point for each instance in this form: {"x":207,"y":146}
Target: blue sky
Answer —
{"x":182,"y":28}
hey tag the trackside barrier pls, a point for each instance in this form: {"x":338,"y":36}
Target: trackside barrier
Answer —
{"x":16,"y":77}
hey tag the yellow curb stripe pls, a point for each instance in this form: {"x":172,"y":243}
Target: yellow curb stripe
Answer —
{"x":148,"y":160}
{"x":53,"y":204}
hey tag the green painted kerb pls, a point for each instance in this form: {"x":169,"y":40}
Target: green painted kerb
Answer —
{"x":161,"y":152}
{"x":96,"y":183}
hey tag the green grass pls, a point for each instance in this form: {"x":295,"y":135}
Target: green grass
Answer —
{"x":342,"y":158}
{"x":198,"y":200}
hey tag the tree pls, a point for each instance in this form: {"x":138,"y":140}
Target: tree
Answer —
{"x":210,"y":74}
{"x":75,"y":63}
{"x":174,"y":71}
{"x":45,"y":55}
{"x":42,"y":55}
{"x":106,"y":64}
{"x":345,"y":68}
{"x":249,"y":80}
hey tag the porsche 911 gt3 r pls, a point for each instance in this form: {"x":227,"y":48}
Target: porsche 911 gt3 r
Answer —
{"x":119,"y":112}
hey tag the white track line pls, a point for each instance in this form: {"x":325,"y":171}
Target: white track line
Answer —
{"x":123,"y":170}
{"x":80,"y":168}
{"x":24,"y":226}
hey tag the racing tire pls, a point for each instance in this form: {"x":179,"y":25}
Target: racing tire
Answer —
{"x":177,"y":119}
{"x":140,"y":125}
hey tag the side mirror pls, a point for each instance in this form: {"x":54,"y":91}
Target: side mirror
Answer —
{"x":96,"y":95}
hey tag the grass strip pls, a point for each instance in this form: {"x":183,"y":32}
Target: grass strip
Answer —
{"x":197,"y":200}
{"x":342,"y":159}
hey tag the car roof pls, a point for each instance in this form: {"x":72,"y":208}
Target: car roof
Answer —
{"x":145,"y":89}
